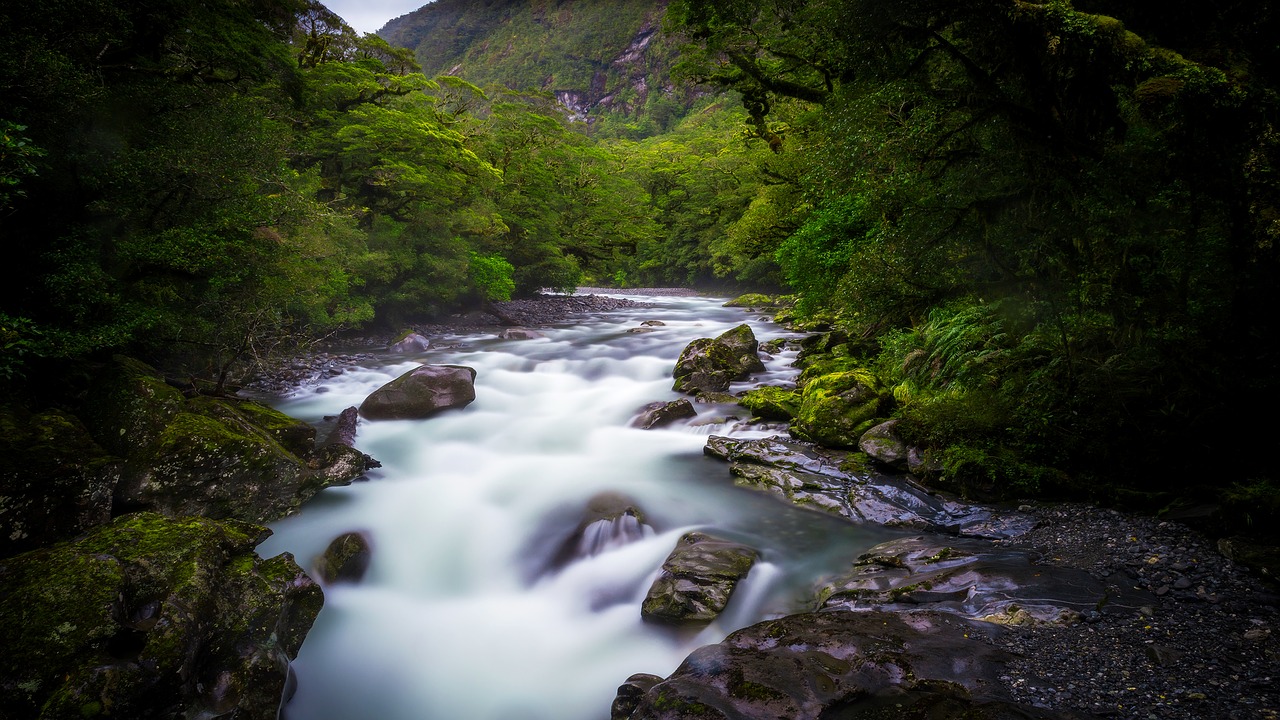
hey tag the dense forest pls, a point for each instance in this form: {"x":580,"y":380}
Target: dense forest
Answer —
{"x":1048,"y":229}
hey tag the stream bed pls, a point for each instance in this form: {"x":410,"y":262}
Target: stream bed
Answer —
{"x":465,"y":612}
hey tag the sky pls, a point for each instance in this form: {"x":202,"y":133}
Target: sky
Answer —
{"x":368,"y":16}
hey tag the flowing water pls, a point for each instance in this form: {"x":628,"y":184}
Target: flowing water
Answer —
{"x":469,"y":610}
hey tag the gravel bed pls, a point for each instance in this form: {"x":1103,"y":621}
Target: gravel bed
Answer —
{"x":1204,"y":646}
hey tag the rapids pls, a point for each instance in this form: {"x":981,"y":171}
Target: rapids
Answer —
{"x":463,"y":614}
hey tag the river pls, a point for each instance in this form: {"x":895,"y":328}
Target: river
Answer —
{"x":463,"y":615}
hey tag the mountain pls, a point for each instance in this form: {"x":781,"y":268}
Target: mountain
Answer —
{"x":595,"y":56}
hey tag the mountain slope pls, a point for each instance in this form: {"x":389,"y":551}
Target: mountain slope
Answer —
{"x":594,"y":55}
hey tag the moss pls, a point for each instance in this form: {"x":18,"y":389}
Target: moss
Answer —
{"x":774,"y":403}
{"x":294,"y":435}
{"x":751,"y":300}
{"x":836,"y":408}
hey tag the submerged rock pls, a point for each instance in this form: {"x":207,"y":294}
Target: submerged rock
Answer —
{"x":697,"y":580}
{"x":661,"y":414}
{"x":519,"y":333}
{"x":152,"y":617}
{"x":421,"y":392}
{"x":840,"y":665}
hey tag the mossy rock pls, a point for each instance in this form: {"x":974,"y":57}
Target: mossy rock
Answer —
{"x":131,"y":405}
{"x":151,"y":617}
{"x":705,"y":365}
{"x":697,"y":580}
{"x":751,"y":300}
{"x":293,"y":434}
{"x":835,"y":409}
{"x":773,"y":403}
{"x":55,"y":481}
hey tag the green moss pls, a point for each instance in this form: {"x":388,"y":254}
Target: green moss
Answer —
{"x":774,"y":403}
{"x":836,"y":408}
{"x":751,"y":300}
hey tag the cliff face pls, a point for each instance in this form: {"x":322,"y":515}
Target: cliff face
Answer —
{"x":592,"y":55}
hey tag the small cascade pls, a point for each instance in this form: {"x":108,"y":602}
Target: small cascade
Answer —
{"x":608,"y":533}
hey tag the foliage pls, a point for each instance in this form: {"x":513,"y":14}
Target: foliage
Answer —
{"x":491,"y":275}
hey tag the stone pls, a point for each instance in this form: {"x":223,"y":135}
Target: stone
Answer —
{"x":421,"y":392}
{"x":410,"y":343}
{"x":882,"y":443}
{"x":344,"y":428}
{"x":661,"y":414}
{"x":629,"y":694}
{"x":697,"y":580}
{"x":152,"y":617}
{"x":771,"y":403}
{"x":839,"y":664}
{"x":345,"y":560}
{"x":653,"y":323}
{"x":751,"y":300}
{"x":55,"y":480}
{"x":710,"y":365}
{"x":837,"y":408}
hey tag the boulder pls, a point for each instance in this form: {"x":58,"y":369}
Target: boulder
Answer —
{"x":710,"y":365}
{"x":772,"y":402}
{"x":344,"y":428}
{"x":882,"y":443}
{"x":653,"y":323}
{"x":218,"y":457}
{"x":609,"y":520}
{"x":55,"y":480}
{"x":660,"y":414}
{"x":152,"y":617}
{"x":421,"y":392}
{"x":410,"y":343}
{"x":697,"y":580}
{"x":751,"y":300}
{"x":346,"y":560}
{"x":837,"y":408}
{"x":840,"y":665}
{"x":629,"y":694}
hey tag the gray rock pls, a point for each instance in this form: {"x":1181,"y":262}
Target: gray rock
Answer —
{"x":629,"y":694}
{"x":421,"y":392}
{"x":697,"y":580}
{"x":519,"y":333}
{"x":710,"y":365}
{"x":660,"y":414}
{"x":411,"y":343}
{"x":883,"y":445}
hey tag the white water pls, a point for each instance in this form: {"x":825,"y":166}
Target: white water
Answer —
{"x":461,"y":616}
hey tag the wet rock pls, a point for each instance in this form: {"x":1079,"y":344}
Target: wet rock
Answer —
{"x":609,"y":520}
{"x":519,"y":333}
{"x":410,"y":343}
{"x":629,"y":694}
{"x":827,"y":480}
{"x":697,"y":580}
{"x":344,"y":429}
{"x":970,"y":578}
{"x":55,"y":480}
{"x":653,"y":323}
{"x":752,"y":300}
{"x":884,"y":446}
{"x":839,"y":664}
{"x":152,"y":617}
{"x":421,"y":392}
{"x":710,"y":365}
{"x":660,"y":414}
{"x":346,"y":560}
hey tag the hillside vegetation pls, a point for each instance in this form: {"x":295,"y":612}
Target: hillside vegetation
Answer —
{"x":1048,"y":229}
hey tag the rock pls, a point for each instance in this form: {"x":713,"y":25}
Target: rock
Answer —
{"x":346,"y":560}
{"x":884,"y":445}
{"x":837,"y":408}
{"x":152,"y":617}
{"x":609,"y":520}
{"x":519,"y":333}
{"x":629,"y":694}
{"x":828,"y":480}
{"x":839,"y":664}
{"x":967,"y":577}
{"x":344,"y":429}
{"x":421,"y":392}
{"x":1262,"y":558}
{"x":751,"y":300}
{"x":640,"y":330}
{"x":55,"y":480}
{"x":710,"y":365}
{"x":217,"y":457}
{"x":660,"y":414}
{"x":697,"y":580}
{"x":653,"y":323}
{"x":773,"y":403}
{"x":410,"y":343}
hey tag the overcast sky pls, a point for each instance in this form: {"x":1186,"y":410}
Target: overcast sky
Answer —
{"x":368,"y":16}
